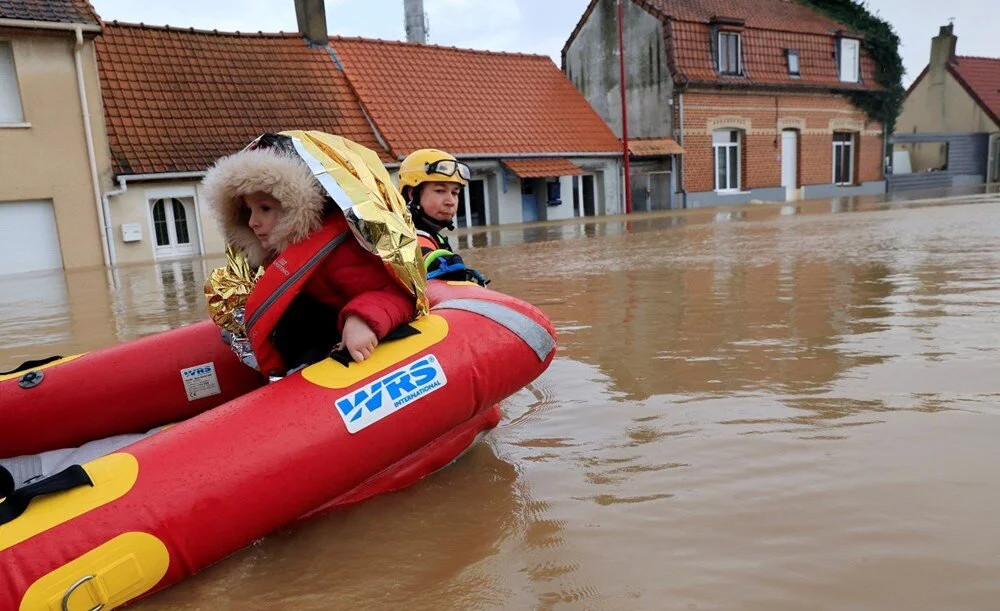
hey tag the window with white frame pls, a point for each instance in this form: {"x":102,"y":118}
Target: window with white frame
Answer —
{"x":729,"y":53}
{"x":10,"y":96}
{"x":843,"y":158}
{"x":793,"y":62}
{"x":726,"y":150}
{"x":850,"y":52}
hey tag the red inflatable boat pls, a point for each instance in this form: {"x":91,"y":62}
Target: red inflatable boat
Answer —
{"x":239,"y":457}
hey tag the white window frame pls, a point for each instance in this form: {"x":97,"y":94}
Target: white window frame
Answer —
{"x":793,"y":53}
{"x":716,"y":146}
{"x":849,"y":71}
{"x":851,"y":154}
{"x":176,"y":192}
{"x":11,"y":105}
{"x":723,"y":53}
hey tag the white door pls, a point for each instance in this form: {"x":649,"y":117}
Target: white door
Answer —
{"x":28,"y":238}
{"x":173,"y":227}
{"x":789,"y":161}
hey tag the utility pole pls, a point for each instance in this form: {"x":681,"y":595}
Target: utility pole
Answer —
{"x":621,"y":67}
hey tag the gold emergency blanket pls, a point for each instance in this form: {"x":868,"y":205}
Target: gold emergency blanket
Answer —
{"x":375,"y":210}
{"x":227,"y":289}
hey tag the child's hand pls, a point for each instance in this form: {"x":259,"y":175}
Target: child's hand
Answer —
{"x":358,"y":338}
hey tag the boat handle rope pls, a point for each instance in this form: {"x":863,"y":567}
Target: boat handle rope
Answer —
{"x":72,"y":588}
{"x":30,"y":365}
{"x":16,"y":501}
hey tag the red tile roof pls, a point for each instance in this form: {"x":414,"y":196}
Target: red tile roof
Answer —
{"x":542,"y":168}
{"x":60,"y":11}
{"x":781,"y":15}
{"x":654,"y":147}
{"x":176,"y":100}
{"x":769,"y":27}
{"x":981,"y":78}
{"x":474,"y":101}
{"x":764,"y":58}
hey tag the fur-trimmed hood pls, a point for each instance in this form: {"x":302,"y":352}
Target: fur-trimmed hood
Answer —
{"x":284,"y":177}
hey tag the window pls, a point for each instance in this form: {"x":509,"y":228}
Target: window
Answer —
{"x":843,"y":158}
{"x":849,"y":53}
{"x":173,"y":229}
{"x":180,"y":223}
{"x":726,"y":149}
{"x":160,"y":224}
{"x":793,"y":62}
{"x":729,"y":53}
{"x":10,"y":97}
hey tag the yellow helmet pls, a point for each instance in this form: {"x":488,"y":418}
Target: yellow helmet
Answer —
{"x":432,"y":165}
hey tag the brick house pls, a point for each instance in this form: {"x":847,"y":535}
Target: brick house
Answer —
{"x":177,"y":99}
{"x":749,"y":97}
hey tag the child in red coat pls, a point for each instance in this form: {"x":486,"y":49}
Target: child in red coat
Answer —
{"x":274,"y":212}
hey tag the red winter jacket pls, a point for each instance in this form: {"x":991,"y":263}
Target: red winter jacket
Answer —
{"x":356,"y":282}
{"x":349,"y":279}
{"x":304,"y":252}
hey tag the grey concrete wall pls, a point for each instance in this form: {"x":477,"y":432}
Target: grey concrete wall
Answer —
{"x":592,"y":65}
{"x":777,"y":194}
{"x":875,"y":187}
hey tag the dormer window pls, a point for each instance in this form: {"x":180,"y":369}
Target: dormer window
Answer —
{"x":793,"y":62}
{"x":730,"y":50}
{"x":850,"y":52}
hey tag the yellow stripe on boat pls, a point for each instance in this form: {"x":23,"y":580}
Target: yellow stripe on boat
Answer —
{"x":103,"y":578}
{"x":113,"y":476}
{"x":65,"y":359}
{"x":331,"y":374}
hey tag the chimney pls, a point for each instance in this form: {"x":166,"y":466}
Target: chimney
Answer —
{"x":415,"y":28}
{"x":311,"y":15}
{"x":943,"y":48}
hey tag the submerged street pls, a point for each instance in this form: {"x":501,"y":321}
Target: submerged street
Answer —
{"x":764,"y":407}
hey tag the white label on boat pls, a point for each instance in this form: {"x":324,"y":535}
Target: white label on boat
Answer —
{"x":200,"y":381}
{"x":390,"y":393}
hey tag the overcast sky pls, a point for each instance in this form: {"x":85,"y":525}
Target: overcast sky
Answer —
{"x":530,"y":26}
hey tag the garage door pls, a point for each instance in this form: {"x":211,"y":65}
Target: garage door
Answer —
{"x":28,"y":238}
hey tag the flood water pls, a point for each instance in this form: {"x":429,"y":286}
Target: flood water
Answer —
{"x":764,"y":408}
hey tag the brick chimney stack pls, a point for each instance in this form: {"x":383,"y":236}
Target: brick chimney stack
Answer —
{"x":311,"y":15}
{"x":416,"y":30}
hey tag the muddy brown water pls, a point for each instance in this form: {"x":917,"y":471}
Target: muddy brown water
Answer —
{"x":773,"y":408}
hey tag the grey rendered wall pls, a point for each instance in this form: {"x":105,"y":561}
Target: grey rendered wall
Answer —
{"x":592,"y":65}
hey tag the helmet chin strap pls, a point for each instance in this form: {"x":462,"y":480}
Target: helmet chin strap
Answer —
{"x":449,"y":225}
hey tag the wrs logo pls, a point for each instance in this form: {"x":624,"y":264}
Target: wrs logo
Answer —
{"x":200,"y":370}
{"x":390,"y":393}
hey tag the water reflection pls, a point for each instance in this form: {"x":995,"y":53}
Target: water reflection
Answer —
{"x":768,"y":411}
{"x":430,"y":546}
{"x":34,"y":304}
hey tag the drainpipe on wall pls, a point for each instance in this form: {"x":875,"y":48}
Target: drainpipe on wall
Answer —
{"x":91,"y":157}
{"x":105,"y":201}
{"x":680,"y":141}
